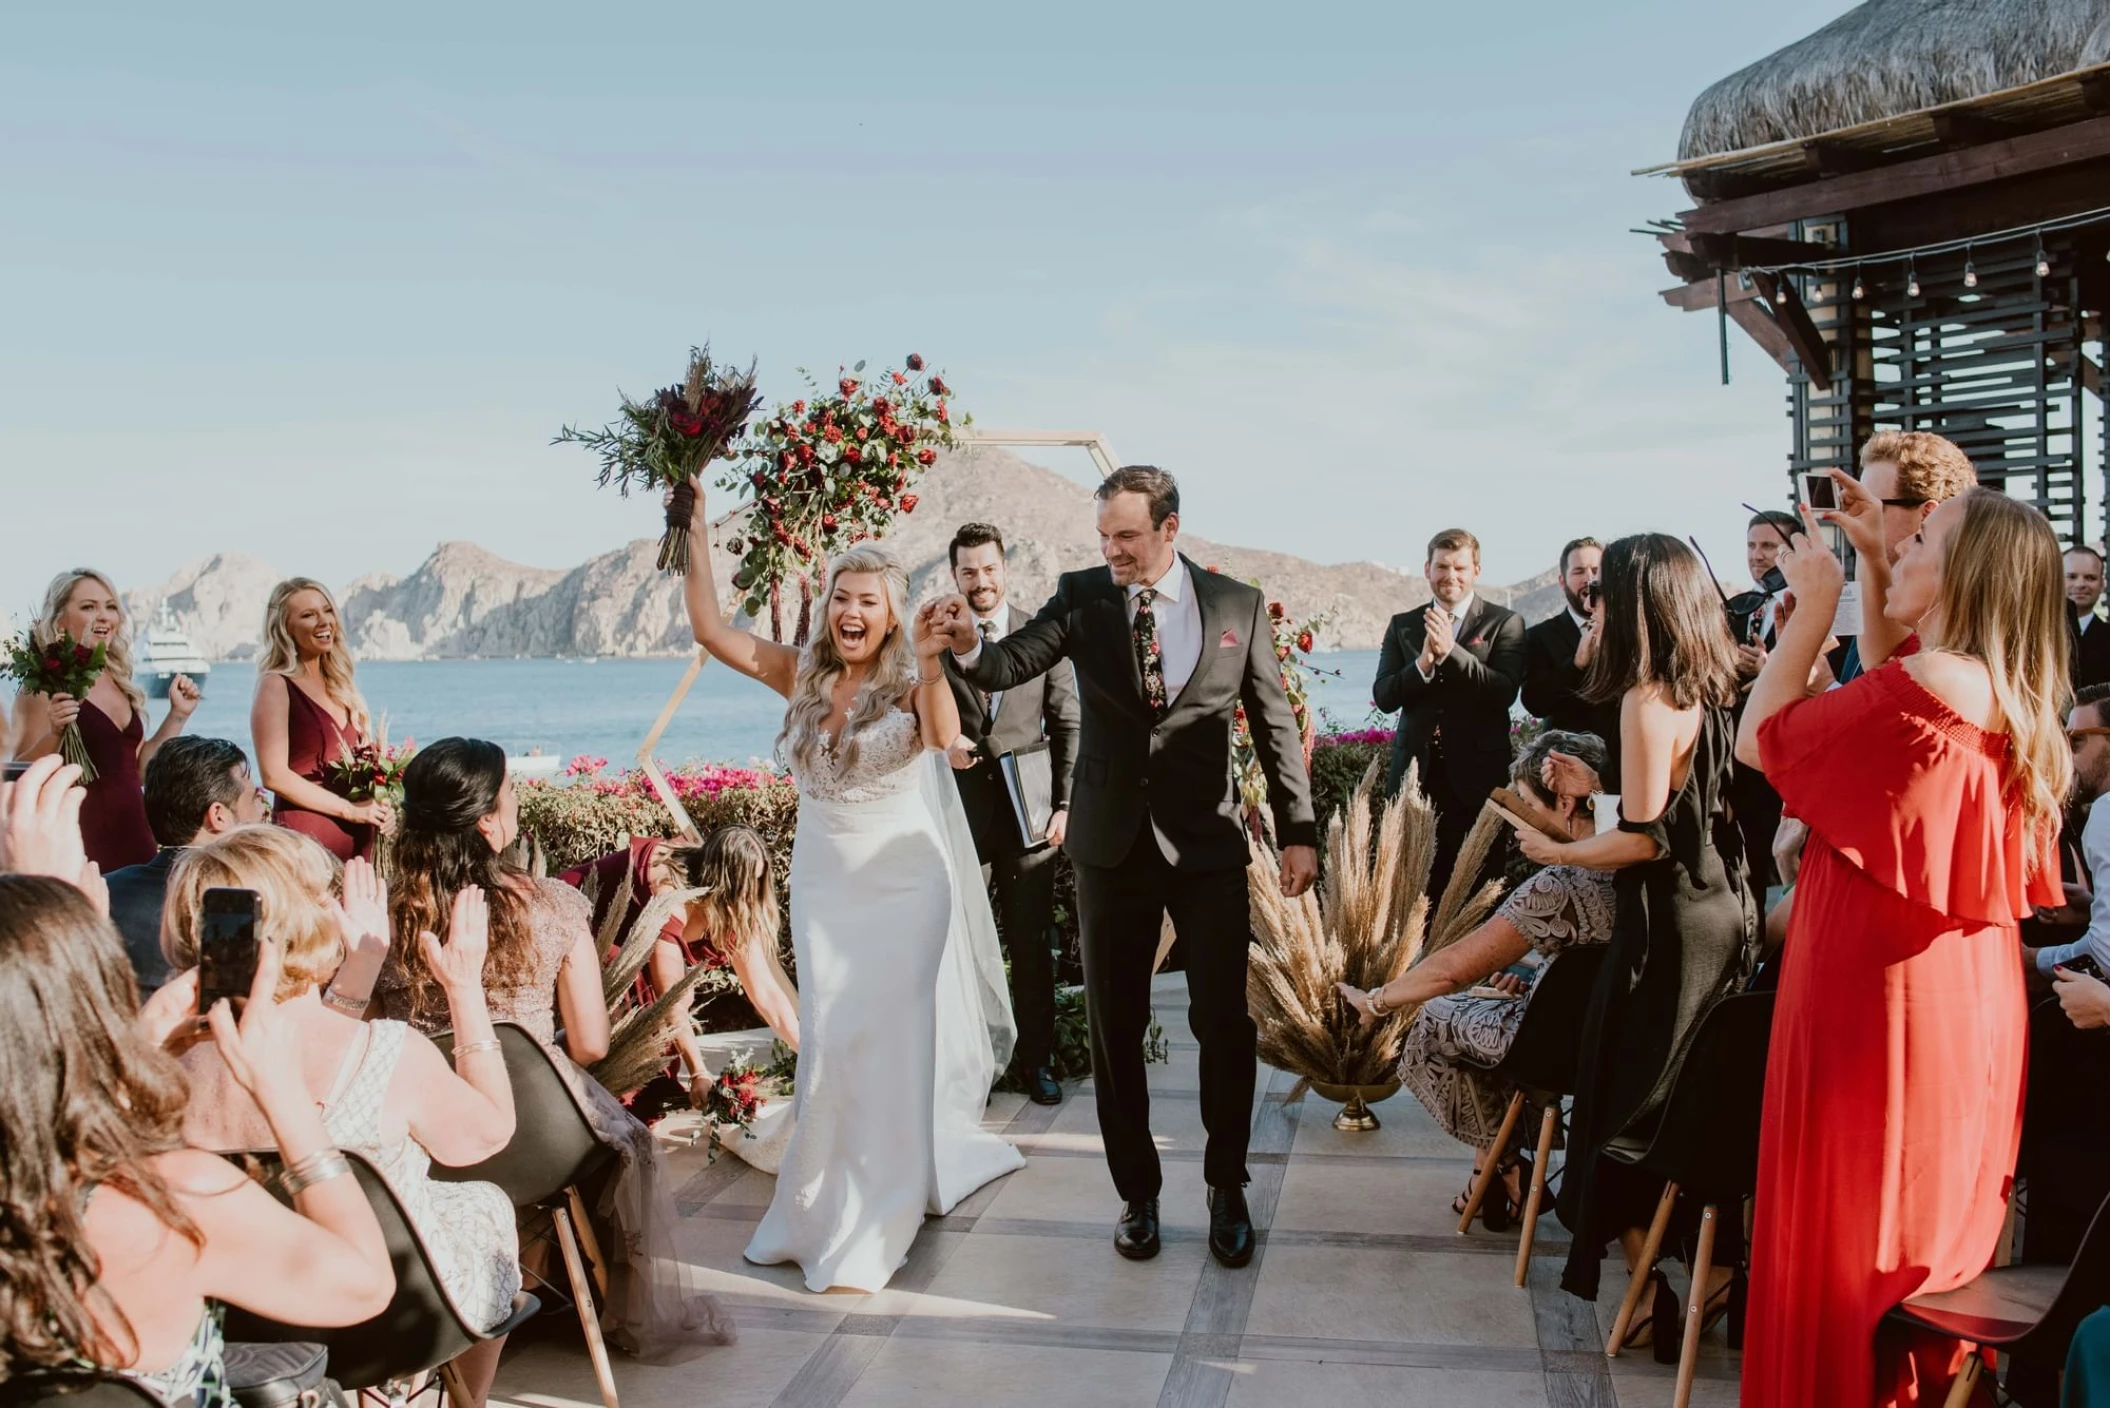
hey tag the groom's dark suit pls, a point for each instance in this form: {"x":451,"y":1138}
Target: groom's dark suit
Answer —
{"x":1155,"y":827}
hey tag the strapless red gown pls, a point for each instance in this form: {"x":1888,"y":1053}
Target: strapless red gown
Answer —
{"x":114,"y":813}
{"x":313,"y":742}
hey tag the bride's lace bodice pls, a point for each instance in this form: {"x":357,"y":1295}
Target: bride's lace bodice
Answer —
{"x":885,"y":752}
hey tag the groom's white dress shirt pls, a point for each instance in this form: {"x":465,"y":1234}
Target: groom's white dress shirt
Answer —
{"x":1179,"y":618}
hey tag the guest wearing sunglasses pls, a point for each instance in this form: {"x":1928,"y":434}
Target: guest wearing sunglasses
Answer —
{"x":1909,"y":473}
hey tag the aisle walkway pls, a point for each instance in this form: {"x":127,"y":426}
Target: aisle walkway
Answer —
{"x":1362,"y":1293}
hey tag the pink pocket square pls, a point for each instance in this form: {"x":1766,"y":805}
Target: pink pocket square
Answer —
{"x":1229,"y":641}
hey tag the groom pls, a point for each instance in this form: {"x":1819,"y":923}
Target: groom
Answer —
{"x":1165,"y":654}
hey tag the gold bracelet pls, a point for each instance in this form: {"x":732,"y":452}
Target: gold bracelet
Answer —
{"x":1378,"y":1006}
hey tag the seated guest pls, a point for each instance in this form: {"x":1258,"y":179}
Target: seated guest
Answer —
{"x":122,"y":1242}
{"x":459,"y":818}
{"x":196,"y":789}
{"x":308,"y":713}
{"x":384,"y":1090}
{"x":82,"y":607}
{"x":2088,"y":731}
{"x":1452,"y":668}
{"x":732,"y":923}
{"x":1457,"y":1038}
{"x":2084,"y":591}
{"x":1558,"y":650}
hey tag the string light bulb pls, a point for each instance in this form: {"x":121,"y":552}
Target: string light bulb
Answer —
{"x":1912,"y":280}
{"x":1859,"y":292}
{"x":2043,"y":263}
{"x":1780,"y":292}
{"x":1970,"y":271}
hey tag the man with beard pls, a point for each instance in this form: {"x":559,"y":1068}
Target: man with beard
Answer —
{"x":1452,"y":668}
{"x":992,"y":723}
{"x":1558,"y":651}
{"x":1910,"y":473}
{"x":2084,"y":589}
{"x":1752,"y":799}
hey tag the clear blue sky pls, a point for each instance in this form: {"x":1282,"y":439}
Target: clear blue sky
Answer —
{"x":321,"y":286}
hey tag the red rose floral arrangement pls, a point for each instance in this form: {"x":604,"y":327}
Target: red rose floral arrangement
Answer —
{"x":60,"y":666}
{"x":829,"y":470}
{"x":661,"y":442}
{"x":1294,"y":642}
{"x":732,"y":1098}
{"x":372,"y":770}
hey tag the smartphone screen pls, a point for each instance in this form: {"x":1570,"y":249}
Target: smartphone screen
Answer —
{"x":226,"y":945}
{"x":1820,"y":491}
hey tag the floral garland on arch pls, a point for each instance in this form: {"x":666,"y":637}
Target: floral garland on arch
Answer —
{"x":1294,"y":642}
{"x":829,"y":470}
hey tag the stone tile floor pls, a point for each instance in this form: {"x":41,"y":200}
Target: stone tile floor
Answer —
{"x":1362,"y":1292}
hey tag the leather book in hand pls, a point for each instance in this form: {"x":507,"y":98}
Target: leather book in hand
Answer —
{"x":1029,"y":783}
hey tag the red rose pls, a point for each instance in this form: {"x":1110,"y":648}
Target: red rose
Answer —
{"x":938,"y":388}
{"x":828,"y":521}
{"x":899,"y":379}
{"x":915,"y":362}
{"x":1275,"y":611}
{"x":847,"y":386}
{"x":943,"y":419}
{"x":82,"y":655}
{"x":908,"y":434}
{"x":798,"y":408}
{"x":833,"y":434}
{"x":908,"y":503}
{"x":926,"y":457}
{"x":1304,"y":641}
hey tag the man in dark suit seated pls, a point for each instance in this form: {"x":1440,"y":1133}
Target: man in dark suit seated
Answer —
{"x":992,"y":723}
{"x":196,"y":789}
{"x":1452,"y":668}
{"x":2084,"y":590}
{"x":1558,"y":651}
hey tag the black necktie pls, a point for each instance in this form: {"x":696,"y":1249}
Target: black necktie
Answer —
{"x":987,"y":631}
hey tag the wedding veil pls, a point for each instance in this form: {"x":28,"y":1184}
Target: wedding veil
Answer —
{"x":976,"y":1031}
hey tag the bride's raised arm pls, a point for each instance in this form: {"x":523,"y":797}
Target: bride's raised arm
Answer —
{"x":937,"y":712}
{"x":765,"y":660}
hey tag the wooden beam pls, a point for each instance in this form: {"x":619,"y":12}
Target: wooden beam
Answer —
{"x":1742,"y":251}
{"x":1964,"y":128}
{"x":1837,"y":159}
{"x":1753,"y":320}
{"x":2095,"y":92}
{"x":1699,"y":294}
{"x":1793,"y":320}
{"x":2091,"y":375}
{"x":1689,"y":267}
{"x":2017,"y":156}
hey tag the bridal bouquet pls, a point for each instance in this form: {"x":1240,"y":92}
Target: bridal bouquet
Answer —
{"x":832,"y":469}
{"x":733,"y":1097}
{"x":61,"y":667}
{"x":371,"y":771}
{"x":660,"y":442}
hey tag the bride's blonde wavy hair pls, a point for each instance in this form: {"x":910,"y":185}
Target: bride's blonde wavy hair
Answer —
{"x":893,"y":676}
{"x":117,"y":655}
{"x":282,"y":656}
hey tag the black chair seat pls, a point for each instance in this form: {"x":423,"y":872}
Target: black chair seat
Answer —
{"x":553,"y":1145}
{"x":1998,"y":1308}
{"x":77,"y":1388}
{"x":1546,"y":1052}
{"x":1705,"y":1137}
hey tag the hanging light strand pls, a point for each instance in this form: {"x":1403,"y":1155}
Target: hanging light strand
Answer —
{"x":1967,"y":247}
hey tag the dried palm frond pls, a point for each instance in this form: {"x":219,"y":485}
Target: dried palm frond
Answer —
{"x":609,"y":936}
{"x":618,"y":973}
{"x":1464,"y":908}
{"x":637,"y":1046}
{"x":1363,"y":925}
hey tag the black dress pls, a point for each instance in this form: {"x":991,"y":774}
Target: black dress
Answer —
{"x":1683,"y":938}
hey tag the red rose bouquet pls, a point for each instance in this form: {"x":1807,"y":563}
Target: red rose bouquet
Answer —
{"x":61,"y":666}
{"x":1294,"y":641}
{"x":733,"y":1097}
{"x":368,"y":771}
{"x":659,"y":443}
{"x":829,"y":470}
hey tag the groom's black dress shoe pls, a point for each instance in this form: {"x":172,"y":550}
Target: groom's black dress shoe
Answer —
{"x":1136,"y":1234}
{"x":1230,"y":1227}
{"x":1044,"y":1089}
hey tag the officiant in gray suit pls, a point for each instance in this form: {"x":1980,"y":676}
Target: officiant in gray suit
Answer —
{"x":1041,"y":710}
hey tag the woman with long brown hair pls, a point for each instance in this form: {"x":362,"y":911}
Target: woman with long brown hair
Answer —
{"x":1931,"y":787}
{"x":459,"y":818}
{"x":82,"y":606}
{"x":116,"y":1240}
{"x":1683,"y":928}
{"x":308,"y":713}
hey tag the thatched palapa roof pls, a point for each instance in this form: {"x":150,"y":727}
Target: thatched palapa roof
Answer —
{"x":1885,"y":58}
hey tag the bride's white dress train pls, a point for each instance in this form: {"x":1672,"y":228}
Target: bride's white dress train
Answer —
{"x":904,"y":1015}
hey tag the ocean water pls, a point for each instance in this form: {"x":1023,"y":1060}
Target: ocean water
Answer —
{"x":604,"y":708}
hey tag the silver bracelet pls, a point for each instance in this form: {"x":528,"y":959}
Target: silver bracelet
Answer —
{"x":470,"y":1048}
{"x":344,"y":1002}
{"x":1378,"y":1006}
{"x":318,"y":1167}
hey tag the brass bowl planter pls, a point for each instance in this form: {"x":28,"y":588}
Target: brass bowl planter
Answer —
{"x":1355,"y":1102}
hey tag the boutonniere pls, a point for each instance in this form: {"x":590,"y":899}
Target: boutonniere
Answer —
{"x":1229,"y":641}
{"x":1477,"y":640}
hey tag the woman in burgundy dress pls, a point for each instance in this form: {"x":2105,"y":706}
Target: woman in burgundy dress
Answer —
{"x":84,"y":607}
{"x":307,"y":715}
{"x":1931,"y":787}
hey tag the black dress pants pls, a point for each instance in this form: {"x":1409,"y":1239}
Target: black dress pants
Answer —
{"x":1025,"y":909}
{"x":1122,"y":909}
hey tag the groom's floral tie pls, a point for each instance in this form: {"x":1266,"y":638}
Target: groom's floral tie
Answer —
{"x":1150,"y":656}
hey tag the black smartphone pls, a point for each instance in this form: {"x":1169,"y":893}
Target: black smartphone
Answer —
{"x":1774,"y":582}
{"x":13,"y":769}
{"x":226,"y":945}
{"x":2086,"y":966}
{"x":1819,"y":491}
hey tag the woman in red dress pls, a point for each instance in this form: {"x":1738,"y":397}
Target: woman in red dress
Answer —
{"x":82,"y":606}
{"x":1931,"y":787}
{"x":308,"y":714}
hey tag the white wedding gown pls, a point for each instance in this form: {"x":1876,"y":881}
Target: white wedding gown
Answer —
{"x":904,"y":1014}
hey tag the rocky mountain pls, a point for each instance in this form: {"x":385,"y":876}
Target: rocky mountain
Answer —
{"x":465,"y":601}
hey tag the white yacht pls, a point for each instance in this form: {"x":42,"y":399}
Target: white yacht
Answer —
{"x":163,"y":653}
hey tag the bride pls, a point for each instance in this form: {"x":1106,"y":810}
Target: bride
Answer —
{"x":904,"y":1014}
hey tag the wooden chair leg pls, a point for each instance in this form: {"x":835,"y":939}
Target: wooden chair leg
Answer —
{"x":451,"y":1386}
{"x":582,"y":1296}
{"x":1489,"y":1163}
{"x":1637,"y":1284}
{"x":588,"y":1243}
{"x":1966,"y":1380}
{"x":1696,"y":1308}
{"x":1547,"y":1123}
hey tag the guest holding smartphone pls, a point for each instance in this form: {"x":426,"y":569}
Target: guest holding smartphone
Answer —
{"x":308,"y":713}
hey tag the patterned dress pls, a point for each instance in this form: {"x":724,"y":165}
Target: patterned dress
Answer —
{"x":1454,"y":1041}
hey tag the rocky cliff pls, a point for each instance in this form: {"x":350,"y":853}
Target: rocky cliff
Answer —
{"x":464,"y":601}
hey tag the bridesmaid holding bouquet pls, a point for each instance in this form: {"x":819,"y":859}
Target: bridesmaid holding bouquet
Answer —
{"x":82,"y":606}
{"x":308,"y":714}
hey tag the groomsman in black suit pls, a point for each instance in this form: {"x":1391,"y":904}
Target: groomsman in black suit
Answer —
{"x":1040,"y":710}
{"x":2084,"y":590}
{"x":1452,"y":668}
{"x":1166,"y":654}
{"x":1559,"y":649}
{"x":1752,"y":800}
